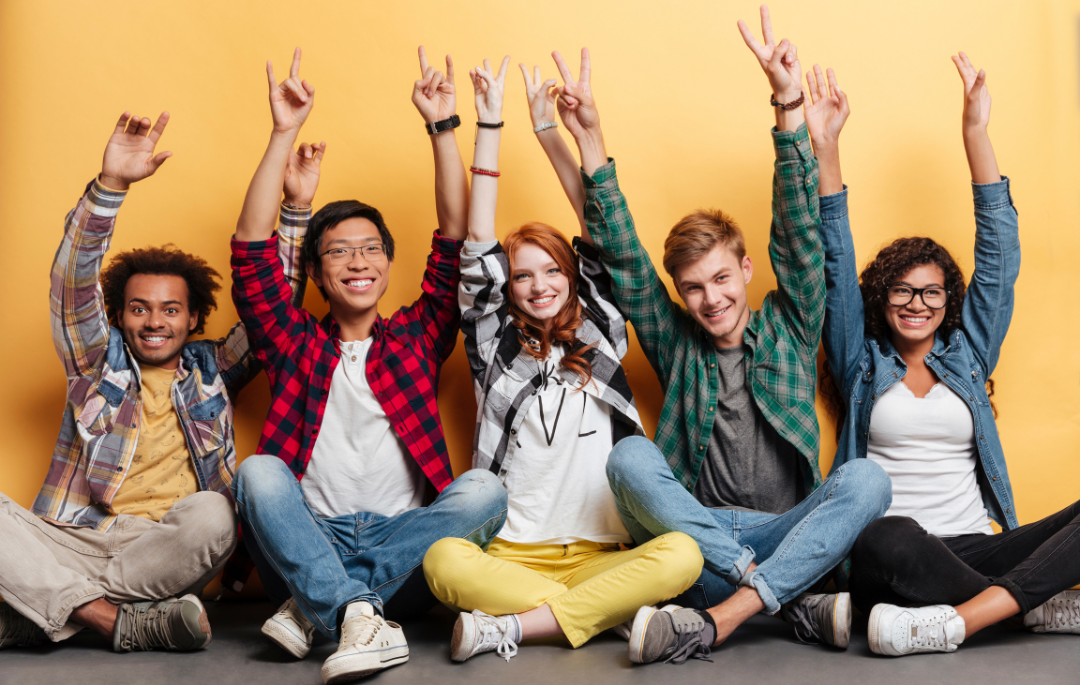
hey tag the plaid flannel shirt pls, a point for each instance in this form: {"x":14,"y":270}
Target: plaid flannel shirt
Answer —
{"x":103,"y":411}
{"x":504,"y":385}
{"x":300,"y":354}
{"x":781,"y":338}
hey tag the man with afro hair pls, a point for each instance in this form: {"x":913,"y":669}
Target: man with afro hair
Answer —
{"x":136,"y":509}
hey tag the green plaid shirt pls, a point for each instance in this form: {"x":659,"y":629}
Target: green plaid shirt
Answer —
{"x":781,"y":338}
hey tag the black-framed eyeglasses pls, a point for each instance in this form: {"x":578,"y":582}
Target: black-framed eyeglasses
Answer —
{"x":934,"y":297}
{"x":340,"y":255}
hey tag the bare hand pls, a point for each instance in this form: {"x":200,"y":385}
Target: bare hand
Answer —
{"x":826,"y":108}
{"x":780,"y":62}
{"x":976,"y":94}
{"x":129,"y":156}
{"x":541,"y":96}
{"x":434,"y":94}
{"x":489,"y":88}
{"x":577,"y":107}
{"x":290,"y":100}
{"x":302,"y":174}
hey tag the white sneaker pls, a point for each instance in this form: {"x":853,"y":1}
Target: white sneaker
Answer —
{"x":1060,"y":614}
{"x":899,"y":631}
{"x":290,"y":629}
{"x":368,"y":644}
{"x":625,"y":628}
{"x":479,"y":632}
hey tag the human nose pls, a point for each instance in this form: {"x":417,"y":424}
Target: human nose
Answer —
{"x":364,"y":261}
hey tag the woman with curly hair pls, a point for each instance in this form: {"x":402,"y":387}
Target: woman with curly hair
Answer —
{"x":910,"y":351}
{"x":544,"y":341}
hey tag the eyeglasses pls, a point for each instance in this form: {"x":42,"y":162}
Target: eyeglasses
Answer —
{"x":933,"y":297}
{"x":341,"y":255}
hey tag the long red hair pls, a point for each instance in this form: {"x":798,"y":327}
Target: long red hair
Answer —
{"x":569,"y":318}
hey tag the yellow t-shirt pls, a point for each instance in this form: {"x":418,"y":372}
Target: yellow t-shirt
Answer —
{"x":161,"y":472}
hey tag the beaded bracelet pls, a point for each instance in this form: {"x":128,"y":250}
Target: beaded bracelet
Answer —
{"x":485,"y":172}
{"x":545,"y":126}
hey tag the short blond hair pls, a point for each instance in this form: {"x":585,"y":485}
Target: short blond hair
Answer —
{"x":696,"y":234}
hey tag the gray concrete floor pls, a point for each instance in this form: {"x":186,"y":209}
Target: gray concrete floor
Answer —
{"x":761,"y":653}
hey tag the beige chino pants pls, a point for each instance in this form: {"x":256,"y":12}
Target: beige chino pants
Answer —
{"x":47,"y":571}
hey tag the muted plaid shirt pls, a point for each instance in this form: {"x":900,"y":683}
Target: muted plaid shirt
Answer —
{"x":300,"y":354}
{"x":781,"y":338}
{"x":103,"y":411}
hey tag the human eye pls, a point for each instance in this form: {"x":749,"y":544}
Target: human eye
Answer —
{"x":900,"y":290}
{"x":554,"y":270}
{"x":520,"y":277}
{"x":374,"y":249}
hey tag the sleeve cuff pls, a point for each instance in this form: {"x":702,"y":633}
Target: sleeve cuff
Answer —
{"x":477,"y":250}
{"x":292,"y":222}
{"x":104,"y":201}
{"x":834,"y":206}
{"x":792,"y":146}
{"x":604,"y":175}
{"x":255,"y":250}
{"x":992,"y":195}
{"x":445,"y":246}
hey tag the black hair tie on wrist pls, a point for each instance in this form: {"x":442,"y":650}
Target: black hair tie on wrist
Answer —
{"x":484,"y":124}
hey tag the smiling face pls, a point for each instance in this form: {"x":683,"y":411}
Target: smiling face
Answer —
{"x":538,"y":285}
{"x":156,"y":320}
{"x":915,"y":323}
{"x":355,"y":285}
{"x":714,"y":290}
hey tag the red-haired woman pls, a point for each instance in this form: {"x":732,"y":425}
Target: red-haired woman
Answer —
{"x":544,"y":341}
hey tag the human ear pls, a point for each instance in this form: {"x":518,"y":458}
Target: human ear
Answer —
{"x":747,"y":269}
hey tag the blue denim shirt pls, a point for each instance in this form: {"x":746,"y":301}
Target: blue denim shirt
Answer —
{"x":865,"y":367}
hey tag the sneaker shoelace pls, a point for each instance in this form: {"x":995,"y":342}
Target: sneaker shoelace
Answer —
{"x":801,"y":615}
{"x":688,"y":627}
{"x":148,"y":627}
{"x":19,"y":631}
{"x":360,"y":629}
{"x":494,"y":632}
{"x":292,"y":612}
{"x":1061,"y":614}
{"x":929,"y":632}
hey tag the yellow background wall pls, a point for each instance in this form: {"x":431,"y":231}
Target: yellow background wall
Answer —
{"x":685,"y":114}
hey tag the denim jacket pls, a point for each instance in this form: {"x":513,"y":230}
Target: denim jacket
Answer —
{"x":865,"y":368}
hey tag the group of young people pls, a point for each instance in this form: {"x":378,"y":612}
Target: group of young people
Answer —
{"x":571,"y":521}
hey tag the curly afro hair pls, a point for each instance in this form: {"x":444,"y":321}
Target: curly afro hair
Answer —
{"x":168,"y":260}
{"x":890,"y":265}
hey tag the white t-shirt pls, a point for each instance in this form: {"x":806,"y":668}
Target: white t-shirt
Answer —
{"x":359,"y":463}
{"x":927,"y":446}
{"x":558,"y":487}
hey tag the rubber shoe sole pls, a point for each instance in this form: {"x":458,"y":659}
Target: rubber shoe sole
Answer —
{"x":281,"y":636}
{"x":637,"y":633}
{"x":841,"y":627}
{"x":873,"y":631}
{"x":193,"y":611}
{"x":346,"y":669}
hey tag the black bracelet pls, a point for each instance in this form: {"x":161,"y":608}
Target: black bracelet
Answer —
{"x":789,"y":106}
{"x":483,"y":124}
{"x":444,"y":125}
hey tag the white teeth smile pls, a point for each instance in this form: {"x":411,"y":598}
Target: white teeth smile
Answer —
{"x":916,"y":319}
{"x":543,"y":300}
{"x":155,"y":339}
{"x":719,"y":313}
{"x":358,"y":284}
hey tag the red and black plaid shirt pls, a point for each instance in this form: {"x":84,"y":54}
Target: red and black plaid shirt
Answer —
{"x":300,"y":354}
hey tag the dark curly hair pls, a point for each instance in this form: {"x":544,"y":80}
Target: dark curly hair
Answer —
{"x":887,"y":268}
{"x":167,"y":260}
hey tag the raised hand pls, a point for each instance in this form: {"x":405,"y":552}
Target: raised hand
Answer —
{"x":976,"y":94}
{"x":290,"y":100}
{"x":780,"y":62}
{"x":302,"y":174}
{"x":434,"y":94}
{"x":541,"y":95}
{"x":129,"y":155}
{"x":489,"y":89}
{"x":826,"y":108}
{"x":577,"y":107}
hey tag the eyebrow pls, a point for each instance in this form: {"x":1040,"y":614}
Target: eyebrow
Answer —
{"x":342,"y":241}
{"x":722,"y":270}
{"x":139,"y":300}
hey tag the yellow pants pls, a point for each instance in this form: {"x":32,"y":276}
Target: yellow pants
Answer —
{"x":589,"y":586}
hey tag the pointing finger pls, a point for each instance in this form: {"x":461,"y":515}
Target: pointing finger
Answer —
{"x":766,"y":25}
{"x":502,"y":69}
{"x":586,"y":66}
{"x":294,"y":70}
{"x":564,"y":70}
{"x":450,"y":70}
{"x":423,"y":60}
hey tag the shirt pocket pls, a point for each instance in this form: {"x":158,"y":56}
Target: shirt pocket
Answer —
{"x":97,"y":414}
{"x":207,"y":425}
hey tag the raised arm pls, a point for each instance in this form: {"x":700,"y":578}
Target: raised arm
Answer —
{"x":541,"y":96}
{"x":988,"y":305}
{"x":290,"y":103}
{"x":488,"y":89}
{"x":781,"y":65}
{"x":826,"y":111}
{"x":76,"y":306}
{"x":436,"y":99}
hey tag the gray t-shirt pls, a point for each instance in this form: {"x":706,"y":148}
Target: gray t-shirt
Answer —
{"x":747,"y":465}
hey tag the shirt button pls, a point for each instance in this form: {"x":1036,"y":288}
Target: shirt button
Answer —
{"x":1008,"y":511}
{"x":971,"y":399}
{"x":994,"y":479}
{"x":354,"y":357}
{"x":712,"y":408}
{"x":982,"y":437}
{"x":513,"y":431}
{"x":119,"y":468}
{"x":945,"y":376}
{"x":700,"y":447}
{"x":315,"y":430}
{"x":712,"y":366}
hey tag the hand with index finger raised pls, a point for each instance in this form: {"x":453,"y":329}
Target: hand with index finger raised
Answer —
{"x":779,"y":62}
{"x":577,"y":107}
{"x":292,"y":99}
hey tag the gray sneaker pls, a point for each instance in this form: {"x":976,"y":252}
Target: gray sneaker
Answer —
{"x":1060,"y":614}
{"x":173,"y":624}
{"x":17,"y":630}
{"x":673,"y":636}
{"x":820,"y":619}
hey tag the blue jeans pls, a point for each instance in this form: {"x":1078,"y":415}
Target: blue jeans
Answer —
{"x":792,"y":550}
{"x":328,"y":563}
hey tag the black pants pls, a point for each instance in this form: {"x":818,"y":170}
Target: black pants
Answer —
{"x":895,"y":561}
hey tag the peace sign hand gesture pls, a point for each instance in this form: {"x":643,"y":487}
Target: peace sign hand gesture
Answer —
{"x":302,"y":174}
{"x":489,"y":89}
{"x":541,"y":96}
{"x":129,"y":155}
{"x":577,"y":107}
{"x":434,"y":94}
{"x":826,"y":108}
{"x":291,"y":100}
{"x":780,"y":62}
{"x":976,"y":94}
